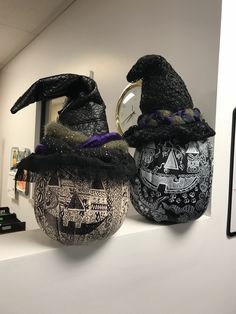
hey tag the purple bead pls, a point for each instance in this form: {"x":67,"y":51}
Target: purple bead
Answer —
{"x":197,"y":114}
{"x":40,"y":149}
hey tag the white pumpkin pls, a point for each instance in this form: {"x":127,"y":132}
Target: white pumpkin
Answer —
{"x":79,"y":210}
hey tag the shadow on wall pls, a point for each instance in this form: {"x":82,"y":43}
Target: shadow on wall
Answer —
{"x":181,"y":229}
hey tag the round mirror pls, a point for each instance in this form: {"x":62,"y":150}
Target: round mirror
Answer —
{"x":127,"y":110}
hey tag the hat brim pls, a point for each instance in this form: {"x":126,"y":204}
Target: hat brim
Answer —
{"x":137,"y":136}
{"x":88,"y":163}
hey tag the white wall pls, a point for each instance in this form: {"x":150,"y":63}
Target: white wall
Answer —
{"x":108,"y":37}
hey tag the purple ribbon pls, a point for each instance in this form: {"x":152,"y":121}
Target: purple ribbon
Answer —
{"x":93,"y":141}
{"x":99,"y":139}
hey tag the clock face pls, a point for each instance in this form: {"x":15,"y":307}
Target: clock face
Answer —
{"x":128,"y":110}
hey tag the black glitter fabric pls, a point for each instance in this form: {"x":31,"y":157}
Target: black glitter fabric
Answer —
{"x":163,"y":89}
{"x":84,"y":112}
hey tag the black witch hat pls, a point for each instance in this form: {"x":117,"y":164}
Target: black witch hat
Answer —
{"x":84,"y":109}
{"x":166,"y":105}
{"x":80,"y":139}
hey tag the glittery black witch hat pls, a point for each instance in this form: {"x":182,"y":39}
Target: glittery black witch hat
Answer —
{"x":80,"y":138}
{"x":166,"y":105}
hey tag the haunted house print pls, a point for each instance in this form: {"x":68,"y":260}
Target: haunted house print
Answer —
{"x":78,"y":210}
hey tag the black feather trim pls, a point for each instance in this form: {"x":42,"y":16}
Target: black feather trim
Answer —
{"x":89,"y":162}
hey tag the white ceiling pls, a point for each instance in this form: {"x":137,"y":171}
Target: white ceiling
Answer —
{"x":22,"y":20}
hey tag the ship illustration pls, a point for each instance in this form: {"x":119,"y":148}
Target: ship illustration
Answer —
{"x":172,"y":183}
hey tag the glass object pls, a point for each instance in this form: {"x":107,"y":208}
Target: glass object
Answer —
{"x":127,"y":110}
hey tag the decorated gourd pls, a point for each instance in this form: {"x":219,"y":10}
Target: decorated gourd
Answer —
{"x":173,"y":153}
{"x":81,"y":171}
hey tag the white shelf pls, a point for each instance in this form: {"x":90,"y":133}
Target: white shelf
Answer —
{"x":19,"y":244}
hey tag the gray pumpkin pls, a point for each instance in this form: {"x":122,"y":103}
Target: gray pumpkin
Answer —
{"x":79,"y":210}
{"x":173,"y":182}
{"x":81,"y":171}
